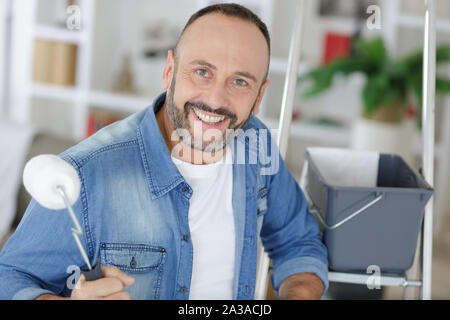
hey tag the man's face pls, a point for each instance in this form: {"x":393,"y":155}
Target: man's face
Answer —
{"x":217,"y":79}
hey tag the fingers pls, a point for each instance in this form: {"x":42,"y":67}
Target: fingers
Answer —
{"x":108,"y":287}
{"x":102,"y":287}
{"x":123,"y":295}
{"x":115,"y":272}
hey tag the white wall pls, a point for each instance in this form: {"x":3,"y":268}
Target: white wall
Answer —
{"x":3,"y":7}
{"x":119,"y":30}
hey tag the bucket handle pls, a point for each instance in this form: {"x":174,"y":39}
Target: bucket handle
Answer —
{"x":379,"y":196}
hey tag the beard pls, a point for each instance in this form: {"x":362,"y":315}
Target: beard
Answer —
{"x":182,"y":127}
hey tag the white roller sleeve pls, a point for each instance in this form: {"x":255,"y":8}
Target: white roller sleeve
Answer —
{"x":41,"y":176}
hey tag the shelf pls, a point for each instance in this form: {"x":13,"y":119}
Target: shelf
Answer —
{"x":279,"y":65}
{"x":107,"y":100}
{"x":117,"y":101}
{"x":53,"y":91}
{"x":59,"y":34}
{"x":337,"y":136}
{"x":417,"y":22}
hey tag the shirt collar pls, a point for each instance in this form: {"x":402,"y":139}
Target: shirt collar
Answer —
{"x":160,"y":170}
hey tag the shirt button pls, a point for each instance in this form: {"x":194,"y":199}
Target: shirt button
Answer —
{"x":186,"y":237}
{"x":185,"y":189}
{"x":183,"y":290}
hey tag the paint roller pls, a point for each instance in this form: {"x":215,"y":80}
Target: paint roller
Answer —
{"x":55,"y":185}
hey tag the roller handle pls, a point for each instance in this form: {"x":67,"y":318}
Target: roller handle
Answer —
{"x":94,"y":274}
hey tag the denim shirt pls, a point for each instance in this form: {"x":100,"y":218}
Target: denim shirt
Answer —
{"x":133,"y":209}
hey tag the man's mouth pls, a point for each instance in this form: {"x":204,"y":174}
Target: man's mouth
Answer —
{"x":209,"y":119}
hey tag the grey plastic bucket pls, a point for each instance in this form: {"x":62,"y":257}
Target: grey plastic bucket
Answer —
{"x":365,"y":226}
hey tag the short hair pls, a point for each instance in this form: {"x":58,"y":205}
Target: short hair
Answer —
{"x":230,"y":10}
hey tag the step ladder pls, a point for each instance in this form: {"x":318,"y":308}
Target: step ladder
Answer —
{"x":425,"y":242}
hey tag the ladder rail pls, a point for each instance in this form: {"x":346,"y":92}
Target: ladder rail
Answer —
{"x":428,"y":124}
{"x":284,"y":127}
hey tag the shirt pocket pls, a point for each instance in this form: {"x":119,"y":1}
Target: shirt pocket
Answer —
{"x":141,"y":261}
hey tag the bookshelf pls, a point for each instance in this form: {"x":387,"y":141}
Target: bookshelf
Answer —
{"x":26,"y":31}
{"x":31,"y":22}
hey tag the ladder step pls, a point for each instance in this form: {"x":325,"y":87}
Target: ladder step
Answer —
{"x":384,"y":279}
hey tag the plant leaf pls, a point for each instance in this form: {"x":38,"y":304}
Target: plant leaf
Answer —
{"x":372,"y":50}
{"x":442,"y":85}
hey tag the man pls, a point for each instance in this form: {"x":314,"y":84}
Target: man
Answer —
{"x":162,"y":207}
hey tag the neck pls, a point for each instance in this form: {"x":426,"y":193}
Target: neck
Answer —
{"x":180,"y":150}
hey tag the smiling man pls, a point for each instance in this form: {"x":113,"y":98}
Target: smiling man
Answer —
{"x":212,"y":83}
{"x":167,"y":206}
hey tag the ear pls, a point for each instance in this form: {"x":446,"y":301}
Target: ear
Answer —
{"x":168,"y":70}
{"x":260,"y":96}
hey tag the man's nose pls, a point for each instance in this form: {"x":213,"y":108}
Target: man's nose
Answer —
{"x":218,"y":96}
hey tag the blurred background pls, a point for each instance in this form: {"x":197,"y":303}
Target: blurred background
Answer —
{"x":69,"y":68}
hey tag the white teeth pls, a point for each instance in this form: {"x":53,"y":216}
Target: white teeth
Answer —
{"x":207,"y":118}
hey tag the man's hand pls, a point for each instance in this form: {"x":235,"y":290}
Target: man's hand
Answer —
{"x":301,"y":286}
{"x":110,"y":287}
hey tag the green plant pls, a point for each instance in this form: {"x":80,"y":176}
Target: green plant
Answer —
{"x":388,"y":81}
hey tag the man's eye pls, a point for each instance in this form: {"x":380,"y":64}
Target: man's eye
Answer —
{"x":202,"y":72}
{"x":240,"y":82}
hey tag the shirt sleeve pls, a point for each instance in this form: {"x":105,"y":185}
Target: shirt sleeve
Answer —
{"x":290,"y":234}
{"x":41,"y":255}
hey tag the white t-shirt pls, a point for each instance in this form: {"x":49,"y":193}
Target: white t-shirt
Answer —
{"x":211,"y":224}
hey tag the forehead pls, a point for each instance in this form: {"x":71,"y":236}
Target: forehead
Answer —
{"x":225,"y":42}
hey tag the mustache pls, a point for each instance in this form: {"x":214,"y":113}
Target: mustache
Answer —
{"x":204,"y":107}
